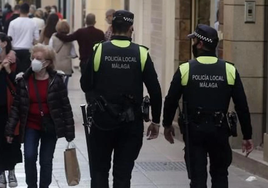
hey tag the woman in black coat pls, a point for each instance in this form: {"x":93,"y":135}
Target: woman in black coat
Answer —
{"x":45,"y":114}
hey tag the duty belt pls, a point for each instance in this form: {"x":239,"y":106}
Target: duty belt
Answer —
{"x":215,"y":117}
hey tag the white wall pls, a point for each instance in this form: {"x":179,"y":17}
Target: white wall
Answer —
{"x":154,"y":26}
{"x":49,"y":2}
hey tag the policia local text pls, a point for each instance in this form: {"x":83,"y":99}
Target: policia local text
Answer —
{"x":215,"y":78}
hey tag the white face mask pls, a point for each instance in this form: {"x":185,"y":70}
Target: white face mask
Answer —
{"x":37,"y":65}
{"x":53,"y":10}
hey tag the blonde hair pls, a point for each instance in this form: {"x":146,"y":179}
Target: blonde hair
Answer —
{"x":39,"y":13}
{"x":63,"y":27}
{"x":48,"y":51}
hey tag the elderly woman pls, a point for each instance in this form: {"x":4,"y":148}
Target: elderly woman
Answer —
{"x":10,"y":154}
{"x":45,"y":114}
{"x":65,"y":51}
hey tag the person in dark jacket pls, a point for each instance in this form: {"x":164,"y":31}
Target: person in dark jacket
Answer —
{"x":10,"y":154}
{"x":7,"y":13}
{"x":207,"y":84}
{"x":115,"y":75}
{"x":16,"y":14}
{"x":45,"y":114}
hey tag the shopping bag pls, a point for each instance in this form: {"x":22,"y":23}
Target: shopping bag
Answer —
{"x":72,"y":170}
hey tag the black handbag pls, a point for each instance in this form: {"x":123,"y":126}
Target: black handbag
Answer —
{"x":47,"y":124}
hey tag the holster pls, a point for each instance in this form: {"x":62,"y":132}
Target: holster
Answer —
{"x":145,"y":108}
{"x":232,"y":121}
{"x":109,"y":116}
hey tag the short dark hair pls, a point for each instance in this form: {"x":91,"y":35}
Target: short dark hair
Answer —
{"x":5,"y":38}
{"x":24,"y":8}
{"x":8,"y":6}
{"x":90,"y":19}
{"x":120,"y":28}
{"x":17,"y":7}
{"x":55,"y":7}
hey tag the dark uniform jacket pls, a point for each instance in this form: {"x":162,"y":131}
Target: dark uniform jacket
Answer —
{"x":209,"y":84}
{"x":121,"y":67}
{"x":58,"y":103}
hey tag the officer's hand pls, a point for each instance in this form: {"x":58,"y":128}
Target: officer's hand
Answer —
{"x":153,"y":131}
{"x":169,"y":133}
{"x":247,"y":146}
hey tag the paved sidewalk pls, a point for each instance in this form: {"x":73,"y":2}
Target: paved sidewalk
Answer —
{"x":160,"y":164}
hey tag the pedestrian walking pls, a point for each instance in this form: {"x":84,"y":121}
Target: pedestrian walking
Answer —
{"x":24,"y":33}
{"x":10,"y":153}
{"x":115,"y":75}
{"x":49,"y":29}
{"x":65,"y":51}
{"x":43,"y":108}
{"x":207,"y":84}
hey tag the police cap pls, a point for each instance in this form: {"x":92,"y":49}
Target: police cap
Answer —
{"x":123,"y":17}
{"x":206,"y":34}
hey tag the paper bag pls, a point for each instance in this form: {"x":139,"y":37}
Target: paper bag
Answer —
{"x":72,"y":170}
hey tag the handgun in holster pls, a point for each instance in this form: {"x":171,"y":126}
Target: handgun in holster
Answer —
{"x":232,"y":121}
{"x":145,"y":108}
{"x":106,"y":106}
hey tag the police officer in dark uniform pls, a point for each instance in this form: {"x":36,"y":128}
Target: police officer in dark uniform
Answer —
{"x":207,"y":84}
{"x":115,"y":75}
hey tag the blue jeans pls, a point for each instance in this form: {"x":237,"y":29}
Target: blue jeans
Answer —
{"x":47,"y":148}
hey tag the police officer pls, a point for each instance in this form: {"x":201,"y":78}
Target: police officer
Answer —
{"x":207,"y":84}
{"x":116,"y":74}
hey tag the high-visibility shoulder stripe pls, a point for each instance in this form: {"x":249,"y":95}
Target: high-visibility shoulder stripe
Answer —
{"x":184,"y":69}
{"x":230,"y":73}
{"x":97,"y":57}
{"x":121,"y":43}
{"x":95,"y":46}
{"x":143,"y":56}
{"x":207,"y":59}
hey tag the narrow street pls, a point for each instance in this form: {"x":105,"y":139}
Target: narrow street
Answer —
{"x":160,"y":165}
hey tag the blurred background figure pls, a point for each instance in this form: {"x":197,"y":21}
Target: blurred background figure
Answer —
{"x":10,"y":153}
{"x":86,"y":38}
{"x":7,"y":13}
{"x":47,"y":12}
{"x":16,"y":14}
{"x":24,"y":33}
{"x":109,"y":19}
{"x":49,"y":29}
{"x":65,"y":51}
{"x":32,"y":11}
{"x":38,"y":19}
{"x":54,"y":9}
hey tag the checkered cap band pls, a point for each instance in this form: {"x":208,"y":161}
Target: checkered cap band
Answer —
{"x":126,"y":19}
{"x":201,"y":37}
